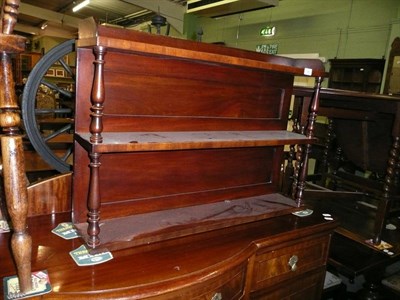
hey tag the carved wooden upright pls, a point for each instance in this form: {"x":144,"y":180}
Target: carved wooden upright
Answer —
{"x":15,"y":185}
{"x":309,"y":132}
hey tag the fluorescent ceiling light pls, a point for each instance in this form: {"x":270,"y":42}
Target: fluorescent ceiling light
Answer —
{"x":80,"y":5}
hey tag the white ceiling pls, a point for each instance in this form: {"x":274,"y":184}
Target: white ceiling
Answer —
{"x":62,"y":22}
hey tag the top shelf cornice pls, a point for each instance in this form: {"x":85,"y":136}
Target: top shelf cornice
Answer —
{"x":92,"y":34}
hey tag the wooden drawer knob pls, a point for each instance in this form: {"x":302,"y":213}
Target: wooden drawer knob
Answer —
{"x":293,"y":262}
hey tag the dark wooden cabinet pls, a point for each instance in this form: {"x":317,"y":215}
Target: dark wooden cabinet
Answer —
{"x":358,"y":173}
{"x":362,"y":75}
{"x":178,"y":140}
{"x":23,"y":64}
{"x":179,"y":147}
{"x":173,"y":136}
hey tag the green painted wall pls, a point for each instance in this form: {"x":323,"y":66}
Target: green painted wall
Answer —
{"x":331,"y":28}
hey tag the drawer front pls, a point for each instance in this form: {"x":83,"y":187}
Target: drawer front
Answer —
{"x":227,"y":286}
{"x":231,"y":289}
{"x":308,"y":286}
{"x":288,"y":262}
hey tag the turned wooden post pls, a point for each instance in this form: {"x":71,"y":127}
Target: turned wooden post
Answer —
{"x":94,"y":202}
{"x":96,"y":128}
{"x":303,"y":154}
{"x":15,"y":185}
{"x":288,"y":181}
{"x":324,"y":165}
{"x":393,"y":160}
{"x":297,"y":169}
{"x":314,"y":105}
{"x":98,"y":96}
{"x":298,"y":156}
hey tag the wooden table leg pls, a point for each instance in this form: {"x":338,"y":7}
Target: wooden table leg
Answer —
{"x":15,"y":184}
{"x":17,"y":204}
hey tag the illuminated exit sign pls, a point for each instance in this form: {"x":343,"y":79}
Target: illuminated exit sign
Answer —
{"x":268,"y":31}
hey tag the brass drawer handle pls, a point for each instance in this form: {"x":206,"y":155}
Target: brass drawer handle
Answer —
{"x":293,"y":262}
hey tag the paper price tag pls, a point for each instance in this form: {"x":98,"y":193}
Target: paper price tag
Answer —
{"x":382,"y":246}
{"x":66,"y":230}
{"x":307,"y":71}
{"x":82,"y":257}
{"x":303,"y":213}
{"x":40,"y":285}
{"x":4,"y":227}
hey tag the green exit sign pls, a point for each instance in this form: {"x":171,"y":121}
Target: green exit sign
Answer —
{"x":268,"y":31}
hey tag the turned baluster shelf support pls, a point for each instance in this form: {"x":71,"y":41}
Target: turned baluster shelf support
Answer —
{"x":94,"y":202}
{"x":324,"y":167}
{"x":97,"y":96}
{"x":15,"y":184}
{"x":304,"y":151}
{"x":96,"y":128}
{"x":288,"y":181}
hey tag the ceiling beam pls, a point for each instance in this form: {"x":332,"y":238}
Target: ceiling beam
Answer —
{"x":49,"y":31}
{"x":172,"y":11}
{"x":48,"y":15}
{"x":27,"y":29}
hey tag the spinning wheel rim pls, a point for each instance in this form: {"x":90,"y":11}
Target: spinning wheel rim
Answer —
{"x":28,"y":105}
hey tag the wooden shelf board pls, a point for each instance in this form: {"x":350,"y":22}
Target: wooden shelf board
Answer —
{"x":151,"y":141}
{"x":156,"y":226}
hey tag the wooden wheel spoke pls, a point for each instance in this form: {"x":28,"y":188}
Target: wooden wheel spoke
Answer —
{"x":39,"y":111}
{"x":67,"y":154}
{"x":56,"y":88}
{"x":57,"y":132}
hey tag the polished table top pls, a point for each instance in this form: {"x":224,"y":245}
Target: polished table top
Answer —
{"x":147,"y":268}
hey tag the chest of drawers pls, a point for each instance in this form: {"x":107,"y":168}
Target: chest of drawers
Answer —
{"x":250,"y":263}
